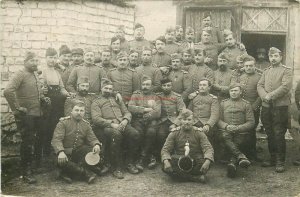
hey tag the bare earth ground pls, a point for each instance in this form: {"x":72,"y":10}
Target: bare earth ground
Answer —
{"x":255,"y":181}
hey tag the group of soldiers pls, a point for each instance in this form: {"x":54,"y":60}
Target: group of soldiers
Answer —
{"x":183,"y":102}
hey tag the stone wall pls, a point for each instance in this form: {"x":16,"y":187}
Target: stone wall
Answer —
{"x":37,"y":25}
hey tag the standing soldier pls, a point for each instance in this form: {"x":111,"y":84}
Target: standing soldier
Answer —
{"x":179,"y":34}
{"x":171,"y":105}
{"x":139,"y":41}
{"x":274,"y":89}
{"x":223,"y":78}
{"x":161,"y":58}
{"x":171,"y":45}
{"x":64,"y":66}
{"x":77,"y":57}
{"x":25,"y":98}
{"x":235,"y":124}
{"x":111,"y":119}
{"x":82,"y":95}
{"x":249,"y":80}
{"x":74,"y":138}
{"x":124,"y":79}
{"x":297,"y":101}
{"x":206,"y":108}
{"x":106,"y":64}
{"x":239,"y":71}
{"x":187,"y":59}
{"x":145,"y":107}
{"x":232,"y":50}
{"x":120,"y":33}
{"x":90,"y":70}
{"x":180,"y":78}
{"x":115,"y":46}
{"x":186,"y":145}
{"x":189,"y":42}
{"x":261,"y":63}
{"x":133,"y":59}
{"x":149,"y":69}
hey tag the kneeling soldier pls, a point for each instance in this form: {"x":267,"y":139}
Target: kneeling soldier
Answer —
{"x":145,"y":107}
{"x":236,"y":124}
{"x":187,"y":153}
{"x":73,"y":138}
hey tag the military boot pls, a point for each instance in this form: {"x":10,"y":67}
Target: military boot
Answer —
{"x":270,"y":163}
{"x":27,"y":175}
{"x":280,"y":163}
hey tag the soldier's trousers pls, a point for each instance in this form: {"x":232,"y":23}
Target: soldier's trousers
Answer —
{"x":251,"y":152}
{"x":236,"y":144}
{"x":275,"y":122}
{"x":113,"y":139}
{"x":147,"y":131}
{"x":30,"y":128}
{"x":163,"y":132}
{"x":182,"y":175}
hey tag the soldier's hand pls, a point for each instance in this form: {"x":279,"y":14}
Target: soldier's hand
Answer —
{"x":119,"y":98}
{"x":267,"y":98}
{"x":47,"y":100}
{"x":167,"y":166}
{"x":146,"y":110}
{"x":230,"y":128}
{"x":205,"y":166}
{"x":62,"y":158}
{"x":192,"y":95}
{"x":45,"y":89}
{"x":114,"y":125}
{"x":208,"y":60}
{"x":96,"y":149}
{"x":205,"y":129}
{"x":241,"y":46}
{"x":72,"y":94}
{"x":123,"y":124}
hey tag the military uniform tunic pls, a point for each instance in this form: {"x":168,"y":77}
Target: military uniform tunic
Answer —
{"x":181,"y":82}
{"x":198,"y":72}
{"x":151,"y":71}
{"x":233,"y":53}
{"x":249,"y":87}
{"x":161,"y":59}
{"x":222,"y":82}
{"x":173,"y":48}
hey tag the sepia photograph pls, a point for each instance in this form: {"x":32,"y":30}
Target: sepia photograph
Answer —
{"x":150,"y":98}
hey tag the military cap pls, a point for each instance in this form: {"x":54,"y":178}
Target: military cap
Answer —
{"x":146,"y":78}
{"x":205,"y":79}
{"x":187,"y":50}
{"x":261,"y":50}
{"x":207,"y":30}
{"x":189,"y":30}
{"x":165,"y":80}
{"x":114,"y":39}
{"x":122,"y":54}
{"x":64,"y":49}
{"x":273,"y":50}
{"x":185,"y":113}
{"x":200,"y":50}
{"x":29,"y":55}
{"x":51,"y":52}
{"x":169,"y":30}
{"x":78,"y":51}
{"x":76,"y":102}
{"x":227,"y":32}
{"x":88,"y":50}
{"x":106,"y":50}
{"x":234,"y":85}
{"x":146,"y":48}
{"x":83,"y":79}
{"x":138,"y":25}
{"x":175,"y":56}
{"x":246,"y":58}
{"x":162,"y":39}
{"x":133,"y":51}
{"x":223,"y":56}
{"x":105,"y":82}
{"x":177,"y":27}
{"x":206,"y":14}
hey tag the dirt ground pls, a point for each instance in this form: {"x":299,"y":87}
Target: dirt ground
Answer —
{"x":255,"y":181}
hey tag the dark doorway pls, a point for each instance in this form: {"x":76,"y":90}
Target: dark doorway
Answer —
{"x":255,"y":41}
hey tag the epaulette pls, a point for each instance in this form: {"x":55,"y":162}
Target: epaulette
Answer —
{"x":246,"y":101}
{"x":175,"y":129}
{"x":86,"y":121}
{"x":131,"y":69}
{"x":176,"y":94}
{"x":224,"y":100}
{"x":112,"y":69}
{"x":137,"y":92}
{"x":65,"y":118}
{"x":185,"y":72}
{"x":155,"y":65}
{"x":213,"y":96}
{"x":286,"y":67}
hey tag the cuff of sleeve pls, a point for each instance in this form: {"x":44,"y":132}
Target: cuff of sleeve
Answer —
{"x":100,"y":144}
{"x":165,"y":158}
{"x":210,"y":159}
{"x":60,"y":152}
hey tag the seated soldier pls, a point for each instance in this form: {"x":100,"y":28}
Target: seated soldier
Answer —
{"x":236,"y":124}
{"x":187,"y":153}
{"x":73,"y":138}
{"x":145,"y":107}
{"x":111,"y":119}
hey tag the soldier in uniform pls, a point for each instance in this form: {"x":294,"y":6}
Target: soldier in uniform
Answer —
{"x":261,"y":62}
{"x":124,"y":79}
{"x":180,"y":78}
{"x":139,"y":41}
{"x":90,"y":70}
{"x":73,"y":138}
{"x":223,"y":78}
{"x":187,"y":59}
{"x":150,"y":69}
{"x":187,"y":143}
{"x":83,"y":95}
{"x":274,"y":89}
{"x":25,"y":98}
{"x":171,"y":45}
{"x":133,"y":59}
{"x":171,"y":105}
{"x":297,"y":101}
{"x":120,"y":33}
{"x":206,"y":108}
{"x":161,"y":58}
{"x":179,"y":34}
{"x":77,"y":57}
{"x":64,"y":66}
{"x":115,"y":46}
{"x":145,"y":107}
{"x":106,"y":64}
{"x":239,"y":71}
{"x":249,"y":80}
{"x":235,"y":124}
{"x":111,"y":119}
{"x":232,"y":50}
{"x":189,"y":42}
